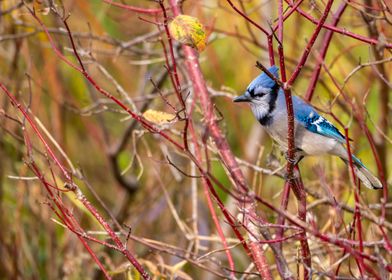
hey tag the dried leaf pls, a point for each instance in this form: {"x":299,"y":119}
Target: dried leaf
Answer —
{"x":189,"y":31}
{"x":158,"y":117}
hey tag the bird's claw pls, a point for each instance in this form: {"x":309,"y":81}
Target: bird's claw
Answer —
{"x":294,"y":161}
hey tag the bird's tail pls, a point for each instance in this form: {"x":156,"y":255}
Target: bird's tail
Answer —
{"x":367,"y":178}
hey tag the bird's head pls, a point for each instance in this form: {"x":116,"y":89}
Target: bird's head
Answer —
{"x":261,"y":94}
{"x":258,"y":91}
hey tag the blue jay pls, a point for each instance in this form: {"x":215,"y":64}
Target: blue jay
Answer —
{"x":314,"y":135}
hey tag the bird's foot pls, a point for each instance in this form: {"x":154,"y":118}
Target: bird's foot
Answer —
{"x":298,"y":155}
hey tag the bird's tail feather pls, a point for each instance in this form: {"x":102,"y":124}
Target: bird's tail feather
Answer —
{"x":367,"y":178}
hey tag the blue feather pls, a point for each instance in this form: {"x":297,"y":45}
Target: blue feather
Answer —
{"x":307,"y":116}
{"x":264,"y":80}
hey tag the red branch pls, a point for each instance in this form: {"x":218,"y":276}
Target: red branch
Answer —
{"x":269,"y":35}
{"x":345,"y":32}
{"x":83,"y":71}
{"x":323,"y":52}
{"x":133,"y":8}
{"x":228,"y":158}
{"x":247,"y":18}
{"x":361,"y":121}
{"x":310,"y":44}
{"x":73,"y":187}
{"x":207,"y":186}
{"x":357,"y":213}
{"x":294,"y":183}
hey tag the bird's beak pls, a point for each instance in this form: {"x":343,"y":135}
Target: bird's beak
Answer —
{"x":242,"y":98}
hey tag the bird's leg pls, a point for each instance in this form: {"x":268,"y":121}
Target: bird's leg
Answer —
{"x":298,"y":155}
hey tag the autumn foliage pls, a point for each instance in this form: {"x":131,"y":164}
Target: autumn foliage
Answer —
{"x":123,"y":156}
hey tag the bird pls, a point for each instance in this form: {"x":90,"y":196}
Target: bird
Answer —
{"x":314,"y":134}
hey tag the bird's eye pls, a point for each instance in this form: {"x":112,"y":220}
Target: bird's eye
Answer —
{"x":261,"y":91}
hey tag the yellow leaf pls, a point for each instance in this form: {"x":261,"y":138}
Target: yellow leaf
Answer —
{"x":158,"y":117}
{"x":189,"y":31}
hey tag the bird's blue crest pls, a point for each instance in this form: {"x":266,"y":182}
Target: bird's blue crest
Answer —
{"x":263,"y":79}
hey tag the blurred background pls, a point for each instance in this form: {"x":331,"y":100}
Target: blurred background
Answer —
{"x":138,"y":180}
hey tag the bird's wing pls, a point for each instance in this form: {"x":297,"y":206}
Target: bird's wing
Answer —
{"x":307,"y":116}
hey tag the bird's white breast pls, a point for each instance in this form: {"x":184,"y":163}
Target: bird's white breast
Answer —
{"x":311,"y":143}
